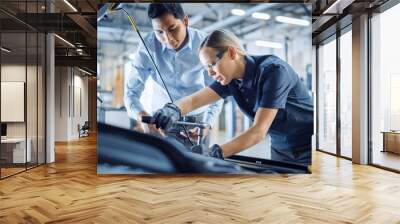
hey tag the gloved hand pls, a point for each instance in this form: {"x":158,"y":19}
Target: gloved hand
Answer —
{"x":165,"y":117}
{"x":216,"y":151}
{"x":198,"y":149}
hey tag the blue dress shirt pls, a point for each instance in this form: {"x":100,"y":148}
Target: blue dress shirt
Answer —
{"x":181,"y":70}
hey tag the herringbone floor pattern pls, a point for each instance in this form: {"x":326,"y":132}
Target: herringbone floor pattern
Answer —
{"x":70,"y":191}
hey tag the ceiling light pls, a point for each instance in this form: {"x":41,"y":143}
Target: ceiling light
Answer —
{"x":331,"y":7}
{"x":269,"y":44}
{"x":238,"y":12}
{"x":290,"y":20}
{"x":261,"y":15}
{"x":84,"y":71}
{"x":5,"y":49}
{"x":65,"y":41}
{"x":337,"y":7}
{"x":70,"y":5}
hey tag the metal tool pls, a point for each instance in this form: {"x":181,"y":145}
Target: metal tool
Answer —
{"x":201,"y":126}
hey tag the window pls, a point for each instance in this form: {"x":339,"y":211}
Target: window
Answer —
{"x":385,"y":89}
{"x":327,"y":97}
{"x":22,"y":75}
{"x":346,"y":94}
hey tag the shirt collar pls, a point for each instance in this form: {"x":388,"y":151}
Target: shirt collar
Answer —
{"x":188,"y":45}
{"x":249,"y":72}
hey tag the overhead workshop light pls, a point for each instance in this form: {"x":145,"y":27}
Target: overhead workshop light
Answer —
{"x":269,"y":44}
{"x":70,"y":5}
{"x":65,"y":41}
{"x":238,"y":12}
{"x":261,"y":15}
{"x":294,"y":21}
{"x":5,"y":50}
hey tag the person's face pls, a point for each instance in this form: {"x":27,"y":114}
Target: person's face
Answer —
{"x":170,"y":31}
{"x":219,"y":64}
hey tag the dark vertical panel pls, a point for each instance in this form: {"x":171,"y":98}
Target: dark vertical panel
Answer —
{"x":369,"y":101}
{"x":69,"y":92}
{"x":338,"y":73}
{"x":1,"y":165}
{"x":60,"y":86}
{"x":316,"y":96}
{"x":45,"y":95}
{"x":37,"y":90}
{"x":73,"y":91}
{"x":25,"y":89}
{"x":46,"y":3}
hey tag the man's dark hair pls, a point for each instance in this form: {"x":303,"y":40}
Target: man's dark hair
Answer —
{"x":157,"y":10}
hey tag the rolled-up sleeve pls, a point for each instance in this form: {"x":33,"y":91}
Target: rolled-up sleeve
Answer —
{"x":135,"y":81}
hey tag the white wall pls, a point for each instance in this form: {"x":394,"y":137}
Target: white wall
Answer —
{"x":71,"y":87}
{"x":61,"y":103}
{"x":13,"y":73}
{"x":33,"y":126}
{"x":80,"y":103}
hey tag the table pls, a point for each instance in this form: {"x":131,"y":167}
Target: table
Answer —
{"x":391,"y":141}
{"x":15,"y":148}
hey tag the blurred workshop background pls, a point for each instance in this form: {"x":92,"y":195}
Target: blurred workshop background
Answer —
{"x":280,"y":29}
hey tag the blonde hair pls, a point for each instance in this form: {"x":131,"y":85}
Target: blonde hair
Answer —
{"x":222,"y":39}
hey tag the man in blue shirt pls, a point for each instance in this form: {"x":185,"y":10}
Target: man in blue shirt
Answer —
{"x":174,"y":47}
{"x":265,"y":88}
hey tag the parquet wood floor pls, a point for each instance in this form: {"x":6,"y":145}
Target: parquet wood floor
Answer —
{"x":70,"y":191}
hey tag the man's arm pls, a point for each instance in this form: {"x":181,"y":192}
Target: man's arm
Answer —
{"x":134,"y":83}
{"x":134,"y":86}
{"x":262,"y":122}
